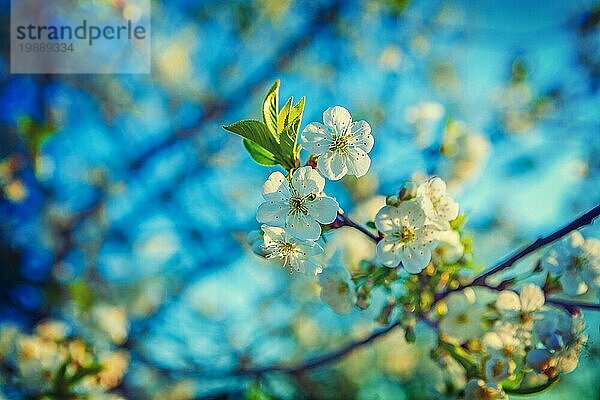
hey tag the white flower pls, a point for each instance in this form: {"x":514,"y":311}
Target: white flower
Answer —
{"x":503,"y":341}
{"x":295,"y":254}
{"x":553,"y":329}
{"x":338,"y":289}
{"x":478,"y":389}
{"x":498,"y":369}
{"x":463,"y":320}
{"x":449,"y":248}
{"x":408,"y":239}
{"x":297,"y":204}
{"x":577,"y":262}
{"x":113,"y":321}
{"x":342,"y":145}
{"x":521,"y":310}
{"x":564,"y":338}
{"x":512,"y":306}
{"x":438,"y":206}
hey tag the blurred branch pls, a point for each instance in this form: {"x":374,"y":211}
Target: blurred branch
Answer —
{"x":583,"y":220}
{"x":320,"y":360}
{"x":572,"y":306}
{"x":320,"y":19}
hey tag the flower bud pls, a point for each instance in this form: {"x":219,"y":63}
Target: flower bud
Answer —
{"x":391,"y":200}
{"x":408,"y":191}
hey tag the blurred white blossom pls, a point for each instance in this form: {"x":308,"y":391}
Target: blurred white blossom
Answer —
{"x":338,"y":289}
{"x":478,"y":389}
{"x":463,"y":319}
{"x":577,"y":261}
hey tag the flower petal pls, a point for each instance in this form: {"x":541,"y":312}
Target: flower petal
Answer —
{"x":388,"y":219}
{"x":572,"y":283}
{"x":332,"y":165}
{"x":434,"y":188}
{"x":532,"y":298}
{"x":508,"y":301}
{"x":388,"y":252}
{"x":303,"y":226}
{"x":415,"y":260}
{"x":412,"y":214}
{"x":276,"y":187}
{"x":358,"y":162}
{"x":361,"y":136}
{"x":316,"y":138}
{"x":306,"y":266}
{"x":306,"y":181}
{"x":338,"y":119}
{"x":324,"y":209}
{"x":272,"y":212}
{"x":272,"y":234}
{"x":447,"y":209}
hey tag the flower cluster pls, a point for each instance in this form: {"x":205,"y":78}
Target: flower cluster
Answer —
{"x":576,"y":261}
{"x":514,"y":340}
{"x":411,"y":227}
{"x":493,"y":341}
{"x":51,"y":362}
{"x":296,"y":207}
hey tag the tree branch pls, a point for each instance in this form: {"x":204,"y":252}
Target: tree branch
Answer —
{"x":320,"y":360}
{"x":344,"y":220}
{"x":583,"y":220}
{"x":570,"y":305}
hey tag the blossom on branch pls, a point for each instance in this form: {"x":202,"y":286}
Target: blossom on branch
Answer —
{"x":463,"y":319}
{"x":408,"y":238}
{"x":293,"y":253}
{"x":297,"y":204}
{"x":439,"y":208}
{"x":342,"y":145}
{"x":577,"y":261}
{"x":338,"y":289}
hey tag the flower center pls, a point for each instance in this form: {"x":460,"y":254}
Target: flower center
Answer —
{"x":298,"y":204}
{"x":282,"y":250}
{"x":339,"y":143}
{"x":498,"y":368}
{"x":407,"y":234}
{"x":342,"y":288}
{"x":462,"y":319}
{"x":287,"y":249}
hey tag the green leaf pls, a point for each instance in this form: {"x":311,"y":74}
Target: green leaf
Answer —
{"x":282,"y":118}
{"x":271,"y":108}
{"x":34,"y":134}
{"x":298,"y":110}
{"x":289,"y":136}
{"x":260,"y":154}
{"x":255,"y":131}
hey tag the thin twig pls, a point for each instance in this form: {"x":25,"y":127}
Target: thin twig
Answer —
{"x":344,"y":220}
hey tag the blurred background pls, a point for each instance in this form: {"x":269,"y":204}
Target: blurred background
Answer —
{"x":125,"y":206}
